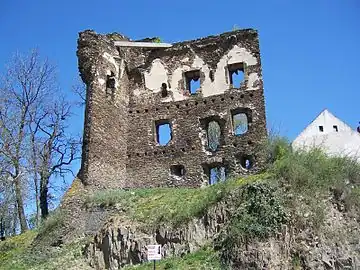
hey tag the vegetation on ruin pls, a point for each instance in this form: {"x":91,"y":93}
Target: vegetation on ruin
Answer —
{"x":161,"y":205}
{"x":294,"y":189}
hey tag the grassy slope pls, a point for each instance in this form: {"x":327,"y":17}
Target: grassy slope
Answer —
{"x":172,"y":206}
{"x":295,"y":183}
{"x":16,"y":254}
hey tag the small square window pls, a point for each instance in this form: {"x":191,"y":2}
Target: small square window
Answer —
{"x":321,"y":128}
{"x":177,"y":170}
{"x":335,"y":128}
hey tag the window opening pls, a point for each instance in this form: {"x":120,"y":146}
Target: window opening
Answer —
{"x":212,"y":75}
{"x":217,"y":174}
{"x":236,"y":74}
{"x":192,"y":81}
{"x":246,"y":162}
{"x":163,"y":132}
{"x":213,"y":135}
{"x":110,"y":80}
{"x":240,"y":123}
{"x":321,"y":128}
{"x":335,"y":128}
{"x":164,"y":91}
{"x":177,"y":170}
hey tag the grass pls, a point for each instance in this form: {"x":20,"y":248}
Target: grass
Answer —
{"x":204,"y":259}
{"x":16,"y":253}
{"x":167,"y":205}
{"x":295,"y":188}
{"x":306,"y":180}
{"x":13,"y":248}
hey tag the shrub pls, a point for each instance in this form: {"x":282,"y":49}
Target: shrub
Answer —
{"x":259,"y":213}
{"x":307,"y":179}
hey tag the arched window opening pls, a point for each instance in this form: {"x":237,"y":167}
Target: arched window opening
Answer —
{"x":240,"y":123}
{"x":213,"y":135}
{"x":246,"y":162}
{"x":110,"y":80}
{"x":164,"y":91}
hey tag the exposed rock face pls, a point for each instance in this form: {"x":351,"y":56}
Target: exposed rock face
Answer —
{"x":335,"y":246}
{"x":122,"y":242}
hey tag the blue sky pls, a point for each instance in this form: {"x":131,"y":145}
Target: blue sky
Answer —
{"x":310,"y":49}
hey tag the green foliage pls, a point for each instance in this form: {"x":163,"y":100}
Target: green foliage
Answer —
{"x":13,"y":248}
{"x":306,"y":178}
{"x":314,"y":171}
{"x":17,"y":253}
{"x":53,"y":221}
{"x":294,"y":190}
{"x":157,"y":40}
{"x":259,"y":213}
{"x":161,"y":205}
{"x":353,"y":199}
{"x":203,"y":259}
{"x":296,"y":262}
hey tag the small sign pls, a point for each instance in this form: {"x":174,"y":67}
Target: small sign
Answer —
{"x":154,"y":252}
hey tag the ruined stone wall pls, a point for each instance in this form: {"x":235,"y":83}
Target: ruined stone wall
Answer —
{"x":105,"y":130}
{"x":150,"y":87}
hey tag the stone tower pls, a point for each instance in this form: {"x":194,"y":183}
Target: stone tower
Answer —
{"x":134,"y":89}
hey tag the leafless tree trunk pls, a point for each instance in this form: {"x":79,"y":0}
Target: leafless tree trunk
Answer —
{"x":57,"y":151}
{"x":24,"y":89}
{"x":35,"y":174}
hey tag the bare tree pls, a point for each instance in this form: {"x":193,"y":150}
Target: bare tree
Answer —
{"x":8,"y":214}
{"x":24,"y":88}
{"x":79,"y":89}
{"x":54,"y":150}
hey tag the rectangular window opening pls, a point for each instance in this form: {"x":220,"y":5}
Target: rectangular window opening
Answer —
{"x":335,"y":128}
{"x":163,"y":132}
{"x":177,"y":170}
{"x":321,"y":128}
{"x":192,"y":81}
{"x":236,"y":74}
{"x":241,"y":118}
{"x":217,"y":174}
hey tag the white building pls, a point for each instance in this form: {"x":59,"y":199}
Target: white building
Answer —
{"x":331,"y":134}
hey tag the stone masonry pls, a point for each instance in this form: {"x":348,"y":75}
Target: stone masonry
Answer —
{"x":133,"y":90}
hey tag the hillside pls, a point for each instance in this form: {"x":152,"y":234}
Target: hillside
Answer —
{"x":301,"y":212}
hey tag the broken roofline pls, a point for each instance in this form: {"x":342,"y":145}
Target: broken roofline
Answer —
{"x":151,"y":44}
{"x":142,"y":44}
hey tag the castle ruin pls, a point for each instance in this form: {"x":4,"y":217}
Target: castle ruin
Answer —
{"x":136,"y":89}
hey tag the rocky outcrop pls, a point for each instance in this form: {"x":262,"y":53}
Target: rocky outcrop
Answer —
{"x":123,"y":242}
{"x":335,"y":246}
